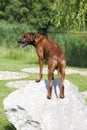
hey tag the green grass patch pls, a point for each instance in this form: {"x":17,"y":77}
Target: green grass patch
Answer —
{"x":86,"y":99}
{"x":15,"y":59}
{"x":15,"y":65}
{"x":78,"y":80}
{"x":4,"y":92}
{"x":27,"y":53}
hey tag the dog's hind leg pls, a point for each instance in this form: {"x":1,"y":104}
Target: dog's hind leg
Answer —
{"x":59,"y":72}
{"x":62,"y":82}
{"x":59,"y":75}
{"x":52,"y":76}
{"x":50,"y":84}
{"x":51,"y":69}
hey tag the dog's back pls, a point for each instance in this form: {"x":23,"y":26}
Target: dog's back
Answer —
{"x":51,"y":49}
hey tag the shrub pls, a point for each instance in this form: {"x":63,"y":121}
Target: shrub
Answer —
{"x":75,"y":48}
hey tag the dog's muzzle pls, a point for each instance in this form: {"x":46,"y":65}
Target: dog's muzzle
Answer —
{"x":19,"y":41}
{"x":22,"y":44}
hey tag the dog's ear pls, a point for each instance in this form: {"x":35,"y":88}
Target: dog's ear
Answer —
{"x":32,"y":37}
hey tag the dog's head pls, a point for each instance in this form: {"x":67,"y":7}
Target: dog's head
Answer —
{"x":27,"y":38}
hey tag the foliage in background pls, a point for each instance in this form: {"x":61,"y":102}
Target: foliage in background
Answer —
{"x":73,"y":44}
{"x":70,"y":14}
{"x":46,"y":15}
{"x":75,"y":48}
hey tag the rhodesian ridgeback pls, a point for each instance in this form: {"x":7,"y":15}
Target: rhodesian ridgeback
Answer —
{"x":49,"y":50}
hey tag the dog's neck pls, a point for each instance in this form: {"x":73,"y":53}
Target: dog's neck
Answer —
{"x":38,"y":38}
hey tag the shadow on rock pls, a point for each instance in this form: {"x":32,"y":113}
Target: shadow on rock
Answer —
{"x":56,"y":84}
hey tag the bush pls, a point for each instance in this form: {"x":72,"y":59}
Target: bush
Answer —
{"x":10,"y":33}
{"x":75,"y":48}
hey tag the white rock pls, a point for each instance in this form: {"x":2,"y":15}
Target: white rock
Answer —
{"x":6,"y":75}
{"x":29,"y":109}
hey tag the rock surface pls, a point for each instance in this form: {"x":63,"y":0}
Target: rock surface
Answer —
{"x":29,"y":109}
{"x":18,"y":84}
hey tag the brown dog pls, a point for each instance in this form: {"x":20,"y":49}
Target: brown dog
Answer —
{"x":50,"y":51}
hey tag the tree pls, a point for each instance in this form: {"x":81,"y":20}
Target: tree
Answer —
{"x":70,"y":14}
{"x":45,"y":15}
{"x":40,"y":15}
{"x":3,"y":4}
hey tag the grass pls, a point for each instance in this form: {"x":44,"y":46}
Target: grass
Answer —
{"x":78,"y":80}
{"x":14,"y":65}
{"x":4,"y":92}
{"x":15,"y":62}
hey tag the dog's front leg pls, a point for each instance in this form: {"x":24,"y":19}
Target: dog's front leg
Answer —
{"x":41,"y":70}
{"x":50,"y":84}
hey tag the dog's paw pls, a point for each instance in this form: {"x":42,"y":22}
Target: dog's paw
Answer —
{"x":48,"y":96}
{"x":62,"y":96}
{"x":38,"y":79}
